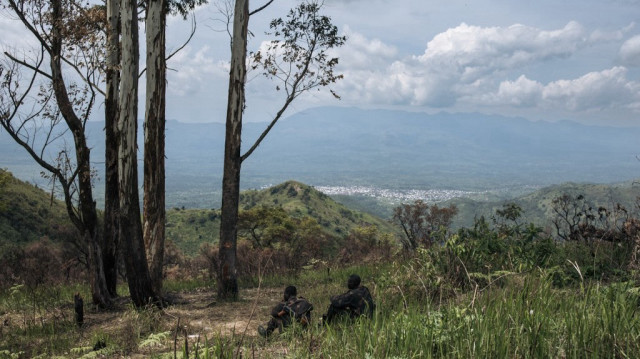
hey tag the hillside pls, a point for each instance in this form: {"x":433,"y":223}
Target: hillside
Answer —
{"x":188,"y":228}
{"x":28,"y":213}
{"x":537,"y":206}
{"x":302,"y":200}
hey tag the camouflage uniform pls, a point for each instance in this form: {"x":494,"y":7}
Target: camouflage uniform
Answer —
{"x":280,"y":316}
{"x":354,"y":303}
{"x":283,"y":314}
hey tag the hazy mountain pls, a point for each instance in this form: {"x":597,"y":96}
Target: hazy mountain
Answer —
{"x":333,"y":146}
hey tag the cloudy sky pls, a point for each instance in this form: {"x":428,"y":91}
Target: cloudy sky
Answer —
{"x":545,"y":59}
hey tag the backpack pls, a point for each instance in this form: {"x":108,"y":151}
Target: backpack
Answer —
{"x":300,"y":309}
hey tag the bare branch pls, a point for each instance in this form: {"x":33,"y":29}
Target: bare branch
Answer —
{"x":266,"y":131}
{"x":260,"y":8}
{"x":25,"y":64}
{"x":193,"y":31}
{"x":21,"y":15}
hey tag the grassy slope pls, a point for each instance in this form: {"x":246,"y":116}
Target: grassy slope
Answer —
{"x":27,"y":213}
{"x":524,"y":317}
{"x":189,"y":228}
{"x":537,"y":206}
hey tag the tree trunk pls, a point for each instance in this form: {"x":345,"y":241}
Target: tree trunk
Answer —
{"x":111,"y":199}
{"x":135,"y":259}
{"x":86,"y":205}
{"x":227,"y":278}
{"x":154,"y":170}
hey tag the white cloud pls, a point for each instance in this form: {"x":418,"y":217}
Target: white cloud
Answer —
{"x":359,"y":51}
{"x":197,"y":70}
{"x":594,"y":91}
{"x":602,"y":35}
{"x":473,"y":51}
{"x":630,"y":51}
{"x":458,"y":62}
{"x":522,"y":92}
{"x":470,"y":66}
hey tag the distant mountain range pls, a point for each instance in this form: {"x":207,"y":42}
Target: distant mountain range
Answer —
{"x":332,"y":146}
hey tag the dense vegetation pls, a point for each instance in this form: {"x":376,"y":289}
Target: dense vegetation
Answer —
{"x":290,"y":205}
{"x":502,"y":287}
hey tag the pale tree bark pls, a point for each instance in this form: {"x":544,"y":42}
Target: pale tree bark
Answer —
{"x":300,"y":63}
{"x":154,"y":141}
{"x":227,"y":277}
{"x":111,"y":198}
{"x":135,"y":259}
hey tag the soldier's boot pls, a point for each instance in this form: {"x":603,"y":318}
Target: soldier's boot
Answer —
{"x":262,"y":331}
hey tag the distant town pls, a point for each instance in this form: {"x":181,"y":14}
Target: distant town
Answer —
{"x":411,"y":195}
{"x":431,"y":195}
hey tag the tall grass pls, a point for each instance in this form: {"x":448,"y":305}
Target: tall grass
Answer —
{"x":523,"y":315}
{"x":527,"y":319}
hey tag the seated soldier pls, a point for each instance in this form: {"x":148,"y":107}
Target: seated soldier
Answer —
{"x":283,"y":314}
{"x":354,"y":303}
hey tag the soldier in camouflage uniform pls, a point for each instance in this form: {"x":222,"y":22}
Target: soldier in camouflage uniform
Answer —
{"x":284,"y":313}
{"x":354,"y":303}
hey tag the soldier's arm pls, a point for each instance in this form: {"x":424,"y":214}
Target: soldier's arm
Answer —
{"x":275,"y":312}
{"x":343,"y":300}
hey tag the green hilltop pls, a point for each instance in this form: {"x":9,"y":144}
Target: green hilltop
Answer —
{"x":189,"y":228}
{"x":299,"y":200}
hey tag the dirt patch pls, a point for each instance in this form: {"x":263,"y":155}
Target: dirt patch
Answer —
{"x":195,"y":317}
{"x":203,"y":315}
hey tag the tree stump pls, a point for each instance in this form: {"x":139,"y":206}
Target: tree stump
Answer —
{"x":78,"y":306}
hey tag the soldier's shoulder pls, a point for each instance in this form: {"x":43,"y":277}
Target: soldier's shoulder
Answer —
{"x":362,"y":289}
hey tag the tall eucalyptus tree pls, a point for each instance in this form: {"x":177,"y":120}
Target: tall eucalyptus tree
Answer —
{"x":111,"y":196}
{"x":297,"y":60}
{"x":130,"y":224}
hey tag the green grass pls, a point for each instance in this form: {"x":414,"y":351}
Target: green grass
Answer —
{"x":528,"y":319}
{"x":526,"y":316}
